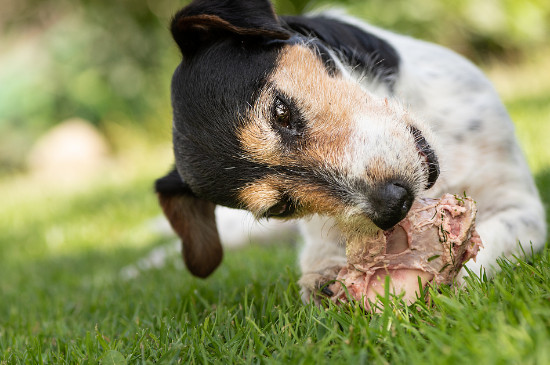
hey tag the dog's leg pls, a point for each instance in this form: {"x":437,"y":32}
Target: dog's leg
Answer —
{"x":323,"y":255}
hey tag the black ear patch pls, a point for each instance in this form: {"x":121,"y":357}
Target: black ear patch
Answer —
{"x":203,"y":21}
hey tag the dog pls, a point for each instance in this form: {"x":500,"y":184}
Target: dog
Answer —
{"x":336,"y":122}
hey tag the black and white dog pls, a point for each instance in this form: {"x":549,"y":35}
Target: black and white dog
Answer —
{"x":338,"y":122}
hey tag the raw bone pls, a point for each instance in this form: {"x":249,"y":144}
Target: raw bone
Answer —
{"x":432,"y":243}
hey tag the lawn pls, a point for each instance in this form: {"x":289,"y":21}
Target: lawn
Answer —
{"x":65,"y":297}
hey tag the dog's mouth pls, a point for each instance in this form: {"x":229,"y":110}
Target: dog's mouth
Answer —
{"x":428,"y":155}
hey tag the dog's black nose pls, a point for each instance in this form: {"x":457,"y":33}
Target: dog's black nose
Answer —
{"x":391,"y":203}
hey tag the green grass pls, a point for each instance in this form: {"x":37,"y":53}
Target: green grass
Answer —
{"x":63,"y":299}
{"x":75,"y":308}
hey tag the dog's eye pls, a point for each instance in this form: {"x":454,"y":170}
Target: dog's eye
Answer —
{"x":287,"y":119}
{"x":282,"y":209}
{"x":281,"y":113}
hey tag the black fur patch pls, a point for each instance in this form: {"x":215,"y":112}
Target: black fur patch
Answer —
{"x":211,"y":95}
{"x":358,"y":48}
{"x":172,"y":185}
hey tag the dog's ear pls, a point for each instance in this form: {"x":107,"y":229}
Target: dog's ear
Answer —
{"x":194,"y":221}
{"x":205,"y":20}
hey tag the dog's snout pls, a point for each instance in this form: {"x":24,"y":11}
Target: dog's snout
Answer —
{"x":391,"y":203}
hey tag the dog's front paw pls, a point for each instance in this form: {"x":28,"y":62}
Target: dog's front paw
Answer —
{"x":315,"y":285}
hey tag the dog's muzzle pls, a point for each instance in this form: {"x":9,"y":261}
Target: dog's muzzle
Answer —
{"x":392,"y":200}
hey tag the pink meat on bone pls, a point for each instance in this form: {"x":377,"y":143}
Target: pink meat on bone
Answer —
{"x":432,"y":243}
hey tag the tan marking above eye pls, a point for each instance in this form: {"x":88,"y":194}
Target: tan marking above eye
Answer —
{"x":327,"y":106}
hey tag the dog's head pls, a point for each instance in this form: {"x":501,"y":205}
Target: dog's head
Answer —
{"x":268,"y":121}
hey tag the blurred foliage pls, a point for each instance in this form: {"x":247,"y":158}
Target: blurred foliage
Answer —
{"x":478,"y":29}
{"x":110,"y":62}
{"x":104,"y":61}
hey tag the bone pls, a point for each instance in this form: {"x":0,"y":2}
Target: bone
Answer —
{"x":430,"y":245}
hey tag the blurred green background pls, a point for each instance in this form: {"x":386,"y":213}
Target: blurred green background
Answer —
{"x":110,"y":62}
